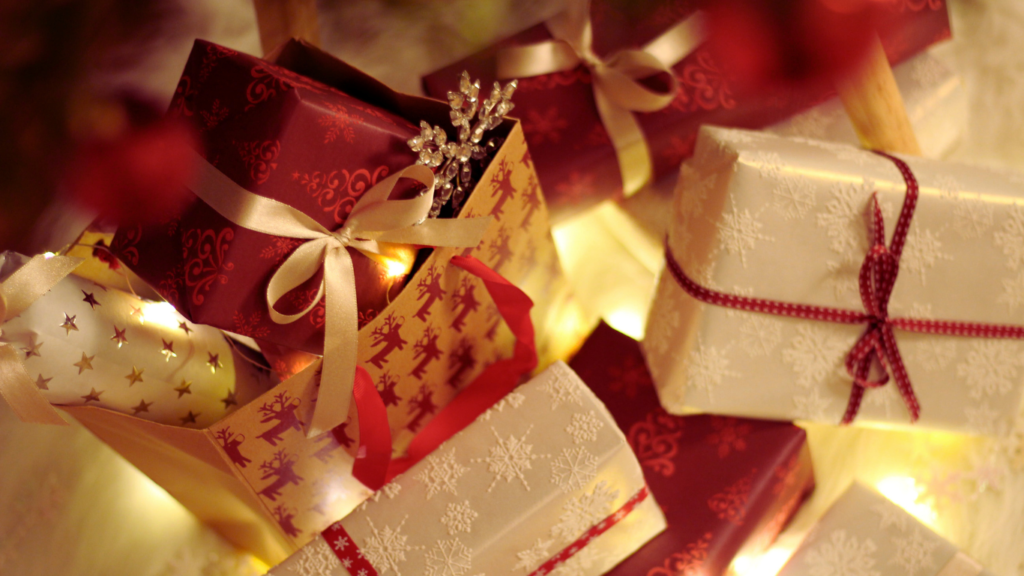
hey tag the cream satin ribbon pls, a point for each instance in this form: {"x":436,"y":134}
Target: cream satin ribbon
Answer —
{"x":374,"y":220}
{"x":617,"y":91}
{"x":961,"y":565}
{"x":18,"y":292}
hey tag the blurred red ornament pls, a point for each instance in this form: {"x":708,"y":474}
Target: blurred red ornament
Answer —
{"x":788,"y":43}
{"x":134,"y":166}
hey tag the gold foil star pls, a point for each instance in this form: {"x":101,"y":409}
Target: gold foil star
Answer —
{"x":69,"y":324}
{"x":119,"y":336}
{"x":142,"y":407}
{"x":184,"y":327}
{"x":84,"y":364}
{"x":190,"y":418}
{"x":230,"y":400}
{"x":168,"y":350}
{"x":92,"y":396}
{"x":90,"y":299}
{"x":185,"y":388}
{"x":43,"y":383}
{"x":33,"y":350}
{"x":214,"y":362}
{"x":136,"y":311}
{"x":135,"y":376}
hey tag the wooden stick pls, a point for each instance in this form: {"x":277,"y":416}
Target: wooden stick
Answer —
{"x":280,"y":20}
{"x":873,"y":102}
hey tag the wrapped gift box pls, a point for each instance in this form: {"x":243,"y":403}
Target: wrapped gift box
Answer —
{"x":87,"y":345}
{"x":865,"y":533}
{"x":781,"y":219}
{"x":727,"y":486}
{"x":613,"y":253}
{"x":543,"y":482}
{"x":283,"y":136}
{"x":575,"y":161}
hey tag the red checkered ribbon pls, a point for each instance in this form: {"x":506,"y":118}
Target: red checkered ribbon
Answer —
{"x":877,"y":345}
{"x":352,"y":559}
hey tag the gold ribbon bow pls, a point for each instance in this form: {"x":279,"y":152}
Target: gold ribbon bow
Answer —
{"x":617,"y":91}
{"x":374,"y":220}
{"x":18,"y":292}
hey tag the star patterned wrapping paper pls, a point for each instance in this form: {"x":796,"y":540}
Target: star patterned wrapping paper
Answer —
{"x":575,"y":159}
{"x":784,"y":219}
{"x":727,"y":486}
{"x":865,"y":534}
{"x":524,"y":482}
{"x":88,"y":345}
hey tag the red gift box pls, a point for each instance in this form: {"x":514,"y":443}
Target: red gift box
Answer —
{"x":726,"y":485}
{"x":575,"y":160}
{"x":283,"y":136}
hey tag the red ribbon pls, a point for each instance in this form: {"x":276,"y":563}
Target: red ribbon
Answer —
{"x":373,"y":465}
{"x":877,"y":345}
{"x":351,"y":557}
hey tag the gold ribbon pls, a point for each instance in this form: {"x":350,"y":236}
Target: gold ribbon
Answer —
{"x":17,"y":293}
{"x":374,"y":221}
{"x":961,"y":565}
{"x":617,"y":91}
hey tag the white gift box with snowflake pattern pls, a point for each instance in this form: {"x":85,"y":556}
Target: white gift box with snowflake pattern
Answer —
{"x":865,"y":534}
{"x":527,"y":479}
{"x":785,"y":219}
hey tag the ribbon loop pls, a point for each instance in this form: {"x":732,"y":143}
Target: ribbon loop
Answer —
{"x":375,"y":218}
{"x":618,"y":91}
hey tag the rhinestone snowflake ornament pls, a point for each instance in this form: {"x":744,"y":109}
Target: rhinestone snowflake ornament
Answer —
{"x":453,"y":160}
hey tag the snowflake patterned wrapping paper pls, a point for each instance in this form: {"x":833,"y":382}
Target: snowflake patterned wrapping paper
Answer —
{"x":575,"y":160}
{"x":785,"y":219}
{"x":88,"y":345}
{"x":287,"y":137}
{"x":865,"y":534}
{"x":727,"y":485}
{"x":522,"y":483}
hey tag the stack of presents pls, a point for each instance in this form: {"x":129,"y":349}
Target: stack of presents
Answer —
{"x":357,"y":351}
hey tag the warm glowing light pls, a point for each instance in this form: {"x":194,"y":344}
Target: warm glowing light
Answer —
{"x":629,"y":322}
{"x":49,"y":255}
{"x":764,"y":564}
{"x":162,"y":313}
{"x":904,"y":491}
{"x":394,"y":268}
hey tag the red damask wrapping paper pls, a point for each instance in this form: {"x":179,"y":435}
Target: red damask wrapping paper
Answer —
{"x":727,"y":486}
{"x":574,"y":158}
{"x":283,"y":136}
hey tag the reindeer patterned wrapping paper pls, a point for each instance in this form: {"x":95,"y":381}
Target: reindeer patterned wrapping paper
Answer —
{"x":786,"y":219}
{"x":529,"y":479}
{"x":86,"y":344}
{"x":254,"y":476}
{"x":866,"y":534}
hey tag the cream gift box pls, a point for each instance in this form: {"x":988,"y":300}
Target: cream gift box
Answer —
{"x":865,"y":534}
{"x":785,"y":220}
{"x":613,"y":253}
{"x":543,"y":472}
{"x":88,"y":345}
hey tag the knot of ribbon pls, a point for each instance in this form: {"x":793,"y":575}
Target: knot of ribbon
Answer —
{"x":374,"y":222}
{"x":26,"y":285}
{"x":618,"y":90}
{"x":877,"y":278}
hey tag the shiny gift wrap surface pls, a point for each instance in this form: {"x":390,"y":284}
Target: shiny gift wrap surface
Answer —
{"x":524,"y":482}
{"x":786,"y":220}
{"x":863,"y":533}
{"x":575,"y":158}
{"x":727,"y":485}
{"x":88,"y":345}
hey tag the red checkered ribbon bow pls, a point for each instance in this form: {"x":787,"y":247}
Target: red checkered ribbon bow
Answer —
{"x":877,"y":345}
